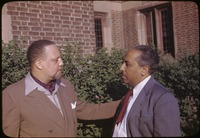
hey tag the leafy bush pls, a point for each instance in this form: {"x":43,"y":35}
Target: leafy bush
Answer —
{"x":14,"y":63}
{"x":97,"y":79}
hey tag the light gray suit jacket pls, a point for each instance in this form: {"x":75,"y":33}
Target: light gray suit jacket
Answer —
{"x":34,"y":115}
{"x":155,"y":113}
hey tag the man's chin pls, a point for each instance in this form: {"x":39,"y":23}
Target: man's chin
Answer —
{"x":125,"y":81}
{"x":58,"y":76}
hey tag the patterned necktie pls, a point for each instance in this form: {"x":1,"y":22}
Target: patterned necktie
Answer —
{"x":124,"y":106}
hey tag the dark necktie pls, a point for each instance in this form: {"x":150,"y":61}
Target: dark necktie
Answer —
{"x":50,"y":86}
{"x":124,"y":106}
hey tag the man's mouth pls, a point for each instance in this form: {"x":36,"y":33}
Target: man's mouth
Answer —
{"x":123,"y":76}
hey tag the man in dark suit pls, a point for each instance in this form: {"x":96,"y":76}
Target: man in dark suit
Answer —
{"x":43,"y":104}
{"x":151,"y":111}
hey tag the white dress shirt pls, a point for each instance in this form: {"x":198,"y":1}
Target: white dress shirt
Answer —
{"x":120,"y":129}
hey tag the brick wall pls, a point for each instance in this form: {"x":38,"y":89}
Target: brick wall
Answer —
{"x":129,"y":22}
{"x":124,"y":33}
{"x":60,"y":21}
{"x":186,"y":28}
{"x":117,"y":29}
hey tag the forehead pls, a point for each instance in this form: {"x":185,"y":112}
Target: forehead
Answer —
{"x":52,"y":51}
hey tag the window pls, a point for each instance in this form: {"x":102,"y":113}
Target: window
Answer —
{"x":98,"y":20}
{"x":98,"y":32}
{"x":159,"y":27}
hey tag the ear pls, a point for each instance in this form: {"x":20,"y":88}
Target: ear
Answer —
{"x":38,"y":64}
{"x":145,"y":71}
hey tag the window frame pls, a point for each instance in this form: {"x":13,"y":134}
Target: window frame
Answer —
{"x":157,"y":28}
{"x":100,"y":16}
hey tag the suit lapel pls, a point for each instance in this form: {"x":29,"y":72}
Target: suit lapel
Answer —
{"x":137,"y":105}
{"x":44,"y":106}
{"x":139,"y":102}
{"x":64,"y":102}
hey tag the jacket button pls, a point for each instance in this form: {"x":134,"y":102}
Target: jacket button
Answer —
{"x":50,"y":130}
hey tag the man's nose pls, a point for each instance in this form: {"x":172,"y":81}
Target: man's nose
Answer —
{"x":122,"y":67}
{"x":61,"y":62}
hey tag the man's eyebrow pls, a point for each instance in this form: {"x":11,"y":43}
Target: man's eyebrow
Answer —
{"x":126,"y":61}
{"x":55,"y":58}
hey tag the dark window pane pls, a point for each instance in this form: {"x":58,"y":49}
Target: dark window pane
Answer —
{"x":98,"y":32}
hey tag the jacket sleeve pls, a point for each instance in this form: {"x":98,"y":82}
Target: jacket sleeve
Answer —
{"x":86,"y":111}
{"x":167,"y":117}
{"x":11,"y":115}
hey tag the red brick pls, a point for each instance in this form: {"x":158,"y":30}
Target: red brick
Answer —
{"x":17,"y":23}
{"x":47,"y":37}
{"x":33,"y":24}
{"x":65,"y":26}
{"x":64,"y":18}
{"x":24,"y":28}
{"x":56,"y":4}
{"x":13,"y":4}
{"x":49,"y":24}
{"x":66,"y":6}
{"x":30,"y":5}
{"x":14,"y":27}
{"x":57,"y":21}
{"x":33,"y":33}
{"x":78,"y":11}
{"x":46,"y":3}
{"x":15,"y":13}
{"x":12,"y":8}
{"x":45,"y":11}
{"x":22,"y":9}
{"x":13,"y":18}
{"x":48,"y":8}
{"x":42,"y":33}
{"x":22,"y":4}
{"x":76,"y":7}
{"x":58,"y":39}
{"x":77,"y":23}
{"x":25,"y":33}
{"x":16,"y":32}
{"x":24,"y":23}
{"x":78,"y":3}
{"x":31,"y":14}
{"x":23,"y":18}
{"x":47,"y":20}
{"x":47,"y":29}
{"x":49,"y":16}
{"x":36,"y":28}
{"x":56,"y":13}
{"x":34,"y":19}
{"x":36,"y":38}
{"x":34,"y":10}
{"x":50,"y":34}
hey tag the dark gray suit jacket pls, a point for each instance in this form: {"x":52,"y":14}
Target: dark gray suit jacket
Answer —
{"x":155,"y":113}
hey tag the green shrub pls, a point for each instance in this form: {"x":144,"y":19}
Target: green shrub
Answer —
{"x":14,"y":63}
{"x":97,"y":79}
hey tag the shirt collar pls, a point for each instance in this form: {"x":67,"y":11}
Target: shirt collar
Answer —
{"x":31,"y":85}
{"x":140,"y":86}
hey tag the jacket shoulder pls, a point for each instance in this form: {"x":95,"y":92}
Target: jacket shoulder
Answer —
{"x":15,"y":87}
